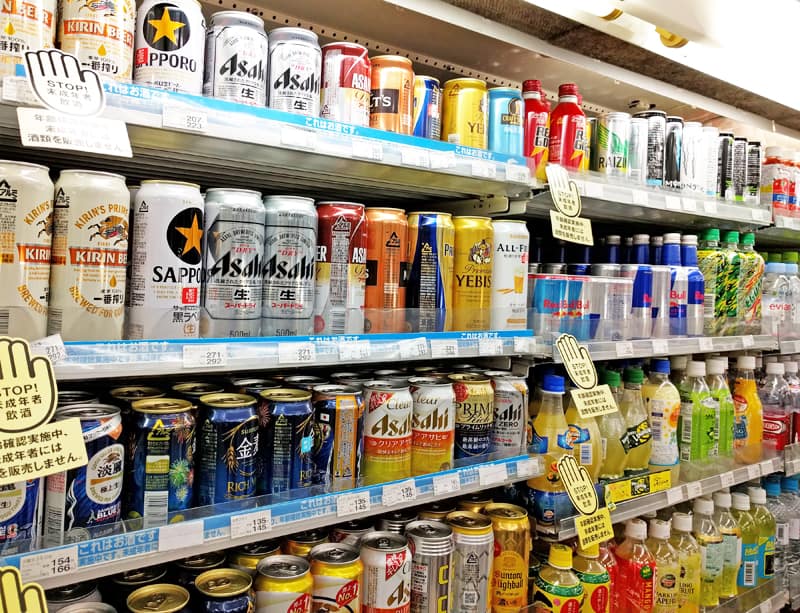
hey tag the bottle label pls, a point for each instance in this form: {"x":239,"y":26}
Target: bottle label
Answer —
{"x":689,"y":581}
{"x":766,"y":557}
{"x":748,"y":572}
{"x":538,"y":443}
{"x":558,"y":599}
{"x":635,"y":436}
{"x":711,"y":556}
{"x":782,"y":534}
{"x":580,"y":441}
{"x":637,"y":579}
{"x":740,"y":427}
{"x":776,"y":426}
{"x":725,"y":419}
{"x":664,"y":426}
{"x":732,"y":545}
{"x":596,"y":589}
{"x":666,"y":590}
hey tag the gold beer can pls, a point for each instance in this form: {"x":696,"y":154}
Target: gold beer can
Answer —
{"x":302,"y":543}
{"x":474,"y":503}
{"x":472,"y":276}
{"x":284,"y":583}
{"x":337,"y":571}
{"x":464,"y":113}
{"x":474,"y":414}
{"x":158,"y":598}
{"x":247,"y":557}
{"x":512,"y":545}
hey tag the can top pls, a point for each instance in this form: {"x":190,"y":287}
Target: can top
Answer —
{"x":317,"y":535}
{"x":384,"y":541}
{"x":89,"y":607}
{"x":384,"y":208}
{"x":338,"y":202}
{"x":425,"y":528}
{"x":28,"y":164}
{"x":87,"y":411}
{"x":465,"y":82}
{"x":223,"y":582}
{"x":389,"y":385}
{"x":158,"y":598}
{"x":428,"y":381}
{"x":651,"y":113}
{"x":161,"y":405}
{"x":136,"y":392}
{"x":277,"y":198}
{"x":140,"y":576}
{"x":334,"y":388}
{"x":430,"y":213}
{"x":215,"y":190}
{"x":390,"y":372}
{"x":342,"y":44}
{"x":500,"y":91}
{"x":617,"y":115}
{"x":279,"y":35}
{"x":197,"y":388}
{"x":674,"y":119}
{"x":285,"y":394}
{"x":169,"y":182}
{"x":463,"y":218}
{"x":504,"y":221}
{"x":503,"y":510}
{"x":502,"y":374}
{"x":388,"y":60}
{"x":74,"y":171}
{"x":468,"y":377}
{"x":283,"y":567}
{"x":740,"y":138}
{"x":334,"y":553}
{"x":424,"y":77}
{"x":244,"y":382}
{"x":467,"y":520}
{"x":203,"y":561}
{"x":67,"y":397}
{"x":259,"y":549}
{"x":67,"y":593}
{"x":226,"y":400}
{"x":223,"y":18}
{"x":356,"y":525}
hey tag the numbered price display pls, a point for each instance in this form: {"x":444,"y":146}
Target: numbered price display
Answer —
{"x":49,"y":564}
{"x":350,"y":504}
{"x":397,"y":493}
{"x":205,"y":356}
{"x":184,"y":119}
{"x":249,"y":524}
{"x":297,"y":353}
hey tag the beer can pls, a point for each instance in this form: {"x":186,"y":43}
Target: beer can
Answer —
{"x":68,"y":397}
{"x":341,"y":269}
{"x":295,"y":70}
{"x":637,"y":150}
{"x":233,"y":258}
{"x":22,"y":504}
{"x":251,"y":385}
{"x":473,"y":553}
{"x":125,"y":396}
{"x":27,"y":26}
{"x":438,"y":511}
{"x":194,"y":390}
{"x":396,"y":521}
{"x":286,"y":440}
{"x":247,"y":557}
{"x":474,"y":414}
{"x":431,"y":545}
{"x":387,"y":573}
{"x":350,"y":533}
{"x":432,"y":425}
{"x":725,"y":166}
{"x":536,"y":127}
{"x":26,"y":216}
{"x":427,"y":107}
{"x":302,"y":543}
{"x":338,"y":435}
{"x":166,"y":261}
{"x":512,"y":544}
{"x":612,"y":137}
{"x":346,"y":83}
{"x":505,"y":120}
{"x":337,"y":571}
{"x":464,"y":113}
{"x":186,"y":571}
{"x":673,"y":145}
{"x":739,"y":167}
{"x":89,"y":607}
{"x":387,"y":270}
{"x":159,"y":598}
{"x":236,"y":58}
{"x":656,"y":135}
{"x":510,"y":421}
{"x":117,"y":590}
{"x":289,"y":266}
{"x":225,"y":590}
{"x":392,"y":94}
{"x":753,"y":183}
{"x":509,"y":287}
{"x":387,"y":432}
{"x":353,"y":379}
{"x":474,"y":503}
{"x":472,"y":274}
{"x":83,"y":593}
{"x":693,"y":158}
{"x":304,"y":382}
{"x":170,"y":45}
{"x":429,"y":295}
{"x":284,"y":584}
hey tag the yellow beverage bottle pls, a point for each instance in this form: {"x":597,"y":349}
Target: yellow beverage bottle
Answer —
{"x":663,"y":405}
{"x":747,"y":418}
{"x":594,"y":578}
{"x":668,"y":570}
{"x":731,"y":541}
{"x":612,"y":431}
{"x":556,"y":587}
{"x":711,"y":549}
{"x":690,"y":562}
{"x":637,"y":439}
{"x":587,"y":445}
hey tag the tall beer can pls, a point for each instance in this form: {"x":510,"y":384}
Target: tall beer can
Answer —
{"x":672,"y":153}
{"x":387,"y":270}
{"x":392,"y":94}
{"x":464,"y":113}
{"x":637,"y":150}
{"x":753,"y":184}
{"x":427,"y":107}
{"x":473,"y":554}
{"x":711,"y":146}
{"x":509,"y":298}
{"x":387,"y":432}
{"x":346,"y":77}
{"x":472,"y":274}
{"x":725,"y":166}
{"x":25,"y":26}
{"x":512,"y":539}
{"x":429,"y":295}
{"x":693,"y":158}
{"x":432,"y":566}
{"x":387,"y":572}
{"x":656,"y":135}
{"x":739,"y":167}
{"x":295,"y":70}
{"x":510,"y":421}
{"x":613,"y":134}
{"x":432,"y":425}
{"x":505,"y":120}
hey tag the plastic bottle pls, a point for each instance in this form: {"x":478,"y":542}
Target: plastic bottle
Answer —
{"x":612,"y":430}
{"x":690,"y":561}
{"x":679,"y":284}
{"x":721,"y":393}
{"x":752,"y":277}
{"x":793,"y":381}
{"x":557,"y":588}
{"x":677,"y":369}
{"x":536,"y":127}
{"x":637,"y":440}
{"x":731,"y":542}
{"x":747,"y":426}
{"x":748,"y":571}
{"x":586,"y":440}
{"x":732,"y":283}
{"x":609,"y":562}
{"x":765,"y":523}
{"x":775,"y":300}
{"x":696,"y":286}
{"x":663,"y":405}
{"x":697,"y":423}
{"x":712,"y":262}
{"x":594,"y":578}
{"x":776,"y":409}
{"x":790,"y":494}
{"x":567,"y":129}
{"x":792,"y":328}
{"x":636,"y":569}
{"x":711,"y":550}
{"x":777,"y":507}
{"x":668,"y":570}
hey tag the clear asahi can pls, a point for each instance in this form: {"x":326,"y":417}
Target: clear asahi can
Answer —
{"x":387,"y":432}
{"x":432,"y":557}
{"x":387,"y":572}
{"x":295,"y":71}
{"x":432,"y":424}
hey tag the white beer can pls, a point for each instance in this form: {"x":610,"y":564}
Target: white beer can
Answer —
{"x":510,"y":424}
{"x":509,"y":304}
{"x":387,"y":572}
{"x":25,"y":25}
{"x":295,"y":71}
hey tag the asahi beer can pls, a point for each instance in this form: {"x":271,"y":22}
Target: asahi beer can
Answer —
{"x":473,"y":554}
{"x":711,"y":146}
{"x":464,"y":113}
{"x":346,"y":83}
{"x":284,"y":584}
{"x":612,"y":138}
{"x":21,"y":505}
{"x":166,"y":261}
{"x":432,"y":425}
{"x":341,"y":272}
{"x":236,"y":58}
{"x":509,"y":292}
{"x":637,"y":150}
{"x":427,"y":107}
{"x":84,"y":593}
{"x":510,"y":421}
{"x":725,"y":166}
{"x":295,"y":69}
{"x":301,"y":543}
{"x":512,"y":539}
{"x":170,"y":42}
{"x":26,"y":26}
{"x":338,"y":435}
{"x":350,"y":533}
{"x":90,"y":254}
{"x":472,"y":275}
{"x":505,"y":120}
{"x":387,"y":432}
{"x":26,"y":219}
{"x":474,"y":414}
{"x":693,"y":159}
{"x":225,"y":590}
{"x":233,"y":258}
{"x":392,"y":94}
{"x":656,"y":136}
{"x":247,"y":557}
{"x":739,"y":167}
{"x":338,"y":572}
{"x":431,"y":545}
{"x":159,"y":598}
{"x":290,"y":252}
{"x":387,"y":573}
{"x":429,"y":294}
{"x":387,"y":270}
{"x":753,"y":183}
{"x":673,"y":146}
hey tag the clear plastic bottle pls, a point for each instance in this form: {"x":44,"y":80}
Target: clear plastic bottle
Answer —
{"x":792,"y":327}
{"x":731,"y":542}
{"x":556,"y":583}
{"x":775,"y":300}
{"x":677,"y":369}
{"x":766,"y":533}
{"x":790,"y":494}
{"x":793,"y":381}
{"x":587,"y":444}
{"x":747,"y":427}
{"x":721,"y":393}
{"x":609,"y":562}
{"x":776,"y":409}
{"x":663,"y":405}
{"x":637,"y":441}
{"x":732,"y":284}
{"x":748,"y":571}
{"x":697,"y":425}
{"x":636,"y":569}
{"x":690,"y":561}
{"x":612,"y":430}
{"x":777,"y":507}
{"x":711,"y":550}
{"x":668,"y":571}
{"x":594,"y":578}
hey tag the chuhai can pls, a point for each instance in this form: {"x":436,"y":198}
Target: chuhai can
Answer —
{"x":510,"y":422}
{"x":473,"y":554}
{"x":225,"y":590}
{"x":387,"y":432}
{"x":346,"y":82}
{"x":431,"y":566}
{"x":159,"y":598}
{"x":286,"y":440}
{"x":387,"y":270}
{"x":295,"y":69}
{"x":27,"y":26}
{"x":284,"y":585}
{"x":509,"y":288}
{"x":613,"y":135}
{"x":337,"y":572}
{"x":186,"y":571}
{"x":512,"y":539}
{"x":301,"y":543}
{"x":472,"y":275}
{"x":474,"y":414}
{"x":429,"y":295}
{"x":464,"y":113}
{"x":505,"y":120}
{"x":427,"y":107}
{"x":392,"y":94}
{"x":656,"y":136}
{"x":725,"y":166}
{"x":432,"y":425}
{"x":247,"y":557}
{"x":338,"y":435}
{"x":21,"y":510}
{"x":739,"y":167}
{"x":387,"y":573}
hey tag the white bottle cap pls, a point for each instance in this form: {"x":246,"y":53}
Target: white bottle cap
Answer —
{"x":716,"y":366}
{"x":682,"y":522}
{"x":769,"y":359}
{"x":757,"y":495}
{"x":790,"y":367}
{"x":636,"y":529}
{"x":740,"y":502}
{"x":775,"y":368}
{"x":678,"y":362}
{"x":703,"y":506}
{"x":641,"y":239}
{"x":659,"y":529}
{"x":689,"y":239}
{"x":696,"y":369}
{"x":722,"y":500}
{"x":746,"y":362}
{"x":673,"y":238}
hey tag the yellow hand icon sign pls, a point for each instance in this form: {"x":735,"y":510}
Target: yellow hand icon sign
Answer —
{"x":565,"y":193}
{"x":29,"y":382}
{"x":16,"y":598}
{"x":579,"y":485}
{"x":577,"y":361}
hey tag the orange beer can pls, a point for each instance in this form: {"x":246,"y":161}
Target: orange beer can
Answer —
{"x":387,"y":270}
{"x":392,"y":94}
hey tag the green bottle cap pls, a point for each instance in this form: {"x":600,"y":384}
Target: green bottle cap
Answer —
{"x":731,"y":236}
{"x":612,"y":378}
{"x":749,"y":238}
{"x":790,"y":257}
{"x":774,"y":257}
{"x":634,"y":375}
{"x":711,"y":234}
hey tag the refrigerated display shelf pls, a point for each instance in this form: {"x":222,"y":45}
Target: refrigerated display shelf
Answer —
{"x":767,"y":598}
{"x":785,"y":233}
{"x":792,"y":346}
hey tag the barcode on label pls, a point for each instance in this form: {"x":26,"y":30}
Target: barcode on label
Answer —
{"x":586,"y":454}
{"x":470,"y":599}
{"x":156,"y":503}
{"x":4,"y":317}
{"x":782,"y":533}
{"x":655,"y":427}
{"x":749,"y":574}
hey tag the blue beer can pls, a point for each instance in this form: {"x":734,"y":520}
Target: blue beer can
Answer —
{"x":338,"y":435}
{"x":20,"y":510}
{"x":429,"y":293}
{"x":224,"y":590}
{"x":505,"y":120}
{"x":287,"y":440}
{"x":427,"y":107}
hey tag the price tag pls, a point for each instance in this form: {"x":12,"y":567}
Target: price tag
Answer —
{"x":673,"y":203}
{"x":689,"y":204}
{"x":184,"y":119}
{"x":492,"y":473}
{"x":594,"y":190}
{"x":413,"y":349}
{"x":446,"y":484}
{"x":517,"y":173}
{"x":710,"y":207}
{"x":768,"y":467}
{"x":490,"y":346}
{"x":180,"y":536}
{"x":486,"y":170}
{"x":17,"y":89}
{"x":297,"y":353}
{"x":694,"y":490}
{"x":51,"y":346}
{"x":444,"y":348}
{"x":660,"y":346}
{"x":523,"y":344}
{"x":413,"y":156}
{"x":354,"y":351}
{"x":529,"y":467}
{"x":727,"y":479}
{"x":248,"y":524}
{"x":298,"y":137}
{"x":748,"y":341}
{"x":396,"y":493}
{"x":442,"y":159}
{"x":205,"y":356}
{"x":367,"y":149}
{"x":753,"y":471}
{"x":640,"y":197}
{"x":674,"y":495}
{"x":349,"y":504}
{"x":706,"y":343}
{"x":625,"y":349}
{"x":49,"y":564}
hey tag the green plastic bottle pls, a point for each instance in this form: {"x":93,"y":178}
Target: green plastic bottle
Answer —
{"x":752,"y":275}
{"x":723,"y":401}
{"x":638,"y":437}
{"x":765,"y":523}
{"x":732,"y":283}
{"x":697,"y":427}
{"x":731,"y":541}
{"x":612,"y":430}
{"x":712,"y":263}
{"x":748,"y":571}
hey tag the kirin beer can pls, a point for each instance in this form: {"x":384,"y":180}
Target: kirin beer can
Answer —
{"x":387,"y":270}
{"x":117,"y":590}
{"x":236,"y":58}
{"x":295,"y":67}
{"x":432,"y":566}
{"x":474,"y":414}
{"x":346,"y":82}
{"x":427,"y":107}
{"x":472,"y":275}
{"x":510,"y":421}
{"x":387,"y":432}
{"x":392,"y":94}
{"x":512,"y":541}
{"x":338,"y":435}
{"x":505,"y":120}
{"x":509,"y":297}
{"x":170,"y":41}
{"x":338,"y":572}
{"x":656,"y":136}
{"x":429,"y":295}
{"x":464,"y":113}
{"x":473,"y":553}
{"x":284,"y":584}
{"x":432,"y":425}
{"x":26,"y":26}
{"x":21,"y":517}
{"x":387,"y":573}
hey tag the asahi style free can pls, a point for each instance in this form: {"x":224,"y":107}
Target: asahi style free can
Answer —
{"x":613,"y":134}
{"x":284,"y":584}
{"x":431,"y":566}
{"x":474,"y":414}
{"x":338,"y":435}
{"x":341,"y":269}
{"x":387,"y":573}
{"x":432,"y":425}
{"x":473,"y":554}
{"x":170,"y":41}
{"x":26,"y":232}
{"x":387,"y":270}
{"x":236,"y":58}
{"x":509,"y":298}
{"x":472,"y":275}
{"x":656,"y":136}
{"x":346,"y":82}
{"x":510,"y":421}
{"x":26,"y":26}
{"x":90,"y":254}
{"x":392,"y":94}
{"x":295,"y":67}
{"x":166,"y":261}
{"x":429,"y":294}
{"x":387,"y":432}
{"x":337,"y":571}
{"x":427,"y":107}
{"x":464,"y":113}
{"x":505,"y":120}
{"x":286,"y":440}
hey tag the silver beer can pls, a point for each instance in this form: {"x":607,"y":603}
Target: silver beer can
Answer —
{"x":509,"y":427}
{"x":431,"y":566}
{"x":233,"y":257}
{"x":637,"y":150}
{"x":290,"y":251}
{"x":473,"y":555}
{"x":295,"y":71}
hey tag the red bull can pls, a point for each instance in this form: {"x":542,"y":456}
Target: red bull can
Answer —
{"x":427,"y":107}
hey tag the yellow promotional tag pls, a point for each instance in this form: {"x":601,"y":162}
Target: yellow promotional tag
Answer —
{"x":579,"y":485}
{"x":633,"y":487}
{"x":594,"y":402}
{"x":595,"y":528}
{"x":18,"y":598}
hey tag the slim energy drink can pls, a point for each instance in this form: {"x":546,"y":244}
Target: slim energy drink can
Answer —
{"x":509,"y":297}
{"x":387,"y":270}
{"x":637,"y":150}
{"x":725,"y":166}
{"x":656,"y":136}
{"x":27,"y":26}
{"x":641,"y":323}
{"x":509,"y":591}
{"x":739,"y":168}
{"x":429,"y":295}
{"x":510,"y":420}
{"x":472,"y":275}
{"x":753,"y":182}
{"x":284,"y":584}
{"x":673,"y":142}
{"x":346,"y":77}
{"x":286,"y":440}
{"x":613,"y":135}
{"x":432,"y":566}
{"x":711,"y":147}
{"x":427,"y":107}
{"x":473,"y":554}
{"x":693,"y":158}
{"x":392,"y":94}
{"x":464,"y":113}
{"x":432,"y":425}
{"x":474,"y":414}
{"x":338,"y":435}
{"x":295,"y":67}
{"x":505,"y":120}
{"x":338,"y":572}
{"x":536,"y":126}
{"x":387,"y":432}
{"x":387,"y":573}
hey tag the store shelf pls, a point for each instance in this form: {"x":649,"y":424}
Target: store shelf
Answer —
{"x":792,"y":346}
{"x":780,"y":235}
{"x":767,"y":598}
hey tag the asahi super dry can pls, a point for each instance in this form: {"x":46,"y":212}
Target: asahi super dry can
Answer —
{"x":295,"y":69}
{"x":474,"y":414}
{"x":473,"y":554}
{"x":512,"y":544}
{"x":429,"y":294}
{"x":337,"y":571}
{"x":286,"y":440}
{"x":510,"y":421}
{"x":432,"y":425}
{"x":427,"y":107}
{"x":26,"y":26}
{"x":464,"y":113}
{"x":387,"y":573}
{"x":387,"y":432}
{"x":509,"y":297}
{"x":338,"y":435}
{"x":392,"y":94}
{"x":284,"y":584}
{"x":346,"y":83}
{"x":472,"y":275}
{"x":387,"y":270}
{"x":432,"y":566}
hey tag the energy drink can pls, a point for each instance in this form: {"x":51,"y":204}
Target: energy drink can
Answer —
{"x":473,"y":554}
{"x":673,"y":142}
{"x":656,"y":137}
{"x":186,"y":571}
{"x":302,"y":543}
{"x":194,"y":390}
{"x":613,"y":135}
{"x":427,"y":107}
{"x":392,"y":94}
{"x":725,"y":166}
{"x":431,"y":566}
{"x":711,"y":145}
{"x":350,"y":533}
{"x":472,"y":274}
{"x":338,"y":435}
{"x":693,"y":158}
{"x":429,"y":295}
{"x":512,"y":537}
{"x":387,"y":573}
{"x":387,"y":270}
{"x":637,"y":150}
{"x":338,"y":572}
{"x":387,"y":432}
{"x":509,"y":297}
{"x":286,"y":440}
{"x":753,"y":182}
{"x":84,"y":593}
{"x":21,"y":510}
{"x":474,"y":414}
{"x":464,"y":113}
{"x":225,"y":590}
{"x":295,"y":69}
{"x":641,"y":323}
{"x":247,"y":557}
{"x":505,"y":120}
{"x":26,"y":27}
{"x":432,"y":425}
{"x":739,"y":167}
{"x":284,"y":584}
{"x":346,"y":82}
{"x":510,"y":421}
{"x":536,"y":126}
{"x":549,"y":304}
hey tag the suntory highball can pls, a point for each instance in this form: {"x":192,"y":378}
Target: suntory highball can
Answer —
{"x":387,"y":270}
{"x":392,"y":94}
{"x":472,"y":274}
{"x":387,"y":432}
{"x":387,"y":573}
{"x":512,"y":544}
{"x":473,"y":554}
{"x":338,"y":435}
{"x":432,"y":425}
{"x":295,"y":68}
{"x":509,"y":293}
{"x":337,"y":571}
{"x":346,"y":81}
{"x":432,"y":559}
{"x":464,"y":113}
{"x":284,"y":584}
{"x":26,"y":26}
{"x":427,"y":107}
{"x":474,"y":414}
{"x":429,"y":294}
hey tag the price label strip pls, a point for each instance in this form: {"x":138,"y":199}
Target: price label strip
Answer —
{"x":492,"y":473}
{"x":354,"y":351}
{"x":249,"y":524}
{"x":180,"y":536}
{"x":184,"y":119}
{"x":444,"y":348}
{"x":205,"y":356}
{"x":49,"y":564}
{"x":350,"y":504}
{"x":446,"y":484}
{"x":297,"y":353}
{"x":413,"y":349}
{"x":396,"y":493}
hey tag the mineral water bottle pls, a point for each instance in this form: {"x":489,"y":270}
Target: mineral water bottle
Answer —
{"x":790,"y":494}
{"x":731,"y":542}
{"x":711,"y":549}
{"x":777,"y":507}
{"x":776,"y":409}
{"x":792,"y":327}
{"x":776,"y":299}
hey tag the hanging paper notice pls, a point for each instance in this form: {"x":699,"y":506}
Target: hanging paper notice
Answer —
{"x":565,"y":221}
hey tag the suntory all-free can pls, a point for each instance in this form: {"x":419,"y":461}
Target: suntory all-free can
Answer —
{"x":392,"y":94}
{"x":284,"y":584}
{"x":432,"y":425}
{"x":295,"y":69}
{"x":387,"y":573}
{"x":612,"y":138}
{"x":387,"y":432}
{"x":431,"y":251}
{"x":26,"y":26}
{"x":464,"y":113}
{"x":225,"y":590}
{"x":427,"y":107}
{"x":170,"y":44}
{"x":338,"y":572}
{"x":510,"y":420}
{"x":474,"y":414}
{"x":472,"y":274}
{"x":26,"y":219}
{"x":656,"y":136}
{"x":505,"y":120}
{"x":346,"y":83}
{"x":512,"y":543}
{"x":473,"y":554}
{"x":387,"y":270}
{"x":166,"y":261}
{"x":233,"y":259}
{"x":341,"y":271}
{"x":236,"y":58}
{"x":338,"y":435}
{"x":509,"y":297}
{"x":431,"y":566}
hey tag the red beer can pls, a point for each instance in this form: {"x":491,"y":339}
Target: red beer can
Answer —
{"x":345,"y":90}
{"x":387,"y":270}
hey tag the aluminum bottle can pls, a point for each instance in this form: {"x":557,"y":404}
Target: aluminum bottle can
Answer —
{"x":711,"y":146}
{"x":427,"y":107}
{"x":284,"y":584}
{"x":431,"y":566}
{"x":429,"y":295}
{"x":27,"y":26}
{"x":465,"y":113}
{"x":338,"y":572}
{"x":166,"y":261}
{"x":512,"y":538}
{"x":474,"y":414}
{"x":432,"y":425}
{"x":505,"y":120}
{"x":338,"y":435}
{"x":693,"y":158}
{"x":473,"y":554}
{"x":236,"y":58}
{"x":350,"y":533}
{"x":387,"y":270}
{"x":170,"y":45}
{"x":301,"y":543}
{"x":612,"y":137}
{"x":739,"y":167}
{"x":387,"y":432}
{"x":290,"y":251}
{"x":346,"y":82}
{"x":233,"y":258}
{"x":21,"y":517}
{"x":472,"y":274}
{"x":673,"y":144}
{"x":536,"y":126}
{"x":656,"y":145}
{"x":392,"y":94}
{"x":725,"y":166}
{"x":225,"y":590}
{"x":510,"y":420}
{"x":387,"y":573}
{"x":753,"y":183}
{"x":26,"y":218}
{"x":247,"y":557}
{"x":295,"y":70}
{"x":341,"y":271}
{"x":637,"y":150}
{"x":84,"y":593}
{"x":509,"y":298}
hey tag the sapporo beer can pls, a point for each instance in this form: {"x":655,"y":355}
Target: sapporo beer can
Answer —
{"x":387,"y":573}
{"x":170,"y":44}
{"x":472,"y":275}
{"x":392,"y":94}
{"x":295,"y":68}
{"x":337,"y":571}
{"x":387,"y":270}
{"x":346,"y":83}
{"x":473,"y":554}
{"x":429,"y":293}
{"x":233,"y":259}
{"x":341,"y":268}
{"x":21,"y":505}
{"x":672,"y":153}
{"x":90,"y":254}
{"x":612,"y":136}
{"x":431,"y":566}
{"x":725,"y":166}
{"x":464,"y":113}
{"x":247,"y":557}
{"x":505,"y":120}
{"x":510,"y":421}
{"x":290,"y":253}
{"x":387,"y":432}
{"x":432,"y":425}
{"x":338,"y":435}
{"x":225,"y":590}
{"x":301,"y":543}
{"x":236,"y":58}
{"x":656,"y":136}
{"x":427,"y":107}
{"x":512,"y":544}
{"x":26,"y":232}
{"x":509,"y":290}
{"x":26,"y":26}
{"x":739,"y":167}
{"x":284,"y":585}
{"x":166,"y":260}
{"x":474,"y":414}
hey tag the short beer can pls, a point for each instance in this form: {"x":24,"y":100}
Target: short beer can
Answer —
{"x":346,"y":76}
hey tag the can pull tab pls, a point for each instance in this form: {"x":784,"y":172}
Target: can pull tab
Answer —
{"x":155,"y":602}
{"x":217,"y":584}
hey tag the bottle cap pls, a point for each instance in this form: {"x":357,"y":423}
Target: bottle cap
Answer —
{"x":660,"y":365}
{"x":772,"y":487}
{"x":592,"y":551}
{"x":746,"y":362}
{"x":749,"y":238}
{"x":567,"y":89}
{"x":775,"y":368}
{"x":560,"y":556}
{"x":757,"y":495}
{"x":774,"y":257}
{"x":712,"y":234}
{"x":681,"y":522}
{"x":612,"y":378}
{"x":531,"y":85}
{"x":553,"y":383}
{"x":633,"y":374}
{"x":789,"y":257}
{"x":679,"y":362}
{"x":613,"y":239}
{"x":790,"y":484}
{"x":722,"y":500}
{"x":689,"y":239}
{"x":641,"y":239}
{"x":659,"y":529}
{"x":775,"y":268}
{"x":731,"y":236}
{"x":656,"y":241}
{"x":716,"y":366}
{"x":769,"y":359}
{"x":636,"y":529}
{"x":740,"y":502}
{"x":703,"y":506}
{"x":673,"y":238}
{"x":696,"y":369}
{"x":790,"y":367}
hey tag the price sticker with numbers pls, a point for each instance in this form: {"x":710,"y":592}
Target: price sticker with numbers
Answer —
{"x":367,"y":149}
{"x":727,"y":479}
{"x":297,"y":353}
{"x":205,"y":355}
{"x":248,"y":524}
{"x":490,"y":346}
{"x":350,"y":504}
{"x":660,"y":346}
{"x":529,"y":467}
{"x":181,"y":118}
{"x":486,"y":170}
{"x":694,"y":490}
{"x":753,"y":471}
{"x":414,"y":156}
{"x":413,"y":348}
{"x":55,"y":563}
{"x":517,"y":173}
{"x":444,"y":348}
{"x":625,"y":349}
{"x":446,"y":484}
{"x":354,"y":351}
{"x":396,"y":493}
{"x":492,"y":473}
{"x":674,"y":495}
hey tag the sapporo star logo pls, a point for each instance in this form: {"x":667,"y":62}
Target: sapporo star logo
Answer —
{"x":185,"y":235}
{"x":166,"y":28}
{"x":193,"y":234}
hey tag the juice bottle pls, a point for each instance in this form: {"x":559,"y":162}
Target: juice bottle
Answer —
{"x":731,"y":542}
{"x":723,"y":405}
{"x":587,"y":444}
{"x":637,"y":439}
{"x":732,"y":284}
{"x":663,"y":404}
{"x":609,"y":562}
{"x":668,"y":571}
{"x":567,"y":129}
{"x":765,"y":523}
{"x":712,"y":551}
{"x":690,"y":561}
{"x":752,"y":275}
{"x":748,"y":571}
{"x":594,"y":578}
{"x":712,"y":262}
{"x":536,"y":126}
{"x":747,"y":419}
{"x":612,"y":430}
{"x":636,"y":569}
{"x":697,"y":424}
{"x":556,"y":587}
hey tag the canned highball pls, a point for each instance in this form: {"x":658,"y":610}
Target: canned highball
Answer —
{"x":338,"y":435}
